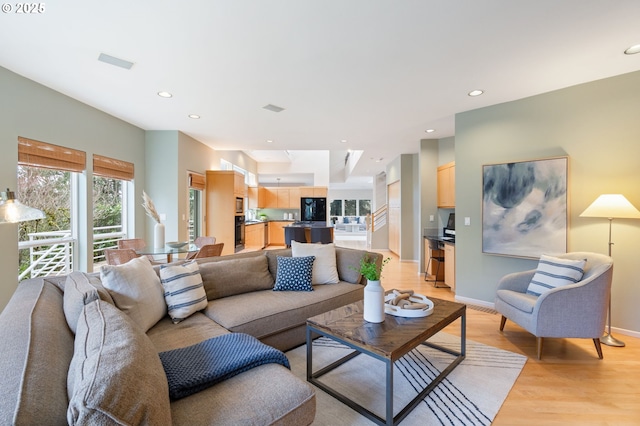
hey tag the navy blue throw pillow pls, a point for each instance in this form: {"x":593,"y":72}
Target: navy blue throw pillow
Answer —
{"x":294,"y":273}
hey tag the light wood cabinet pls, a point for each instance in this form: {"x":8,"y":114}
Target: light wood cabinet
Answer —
{"x":276,"y":232}
{"x":239,"y":188}
{"x":320,"y":191}
{"x":221,"y":190}
{"x":289,"y":197}
{"x":294,"y":198}
{"x":256,"y":197}
{"x":254,"y":236}
{"x":447,"y":185}
{"x":450,"y":265}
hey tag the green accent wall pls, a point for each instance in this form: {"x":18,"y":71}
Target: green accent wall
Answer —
{"x":596,"y":125}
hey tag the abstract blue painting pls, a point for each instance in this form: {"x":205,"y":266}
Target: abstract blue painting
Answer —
{"x":524,"y":207}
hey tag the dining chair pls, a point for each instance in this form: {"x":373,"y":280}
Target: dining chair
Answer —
{"x":132,"y":243}
{"x":209,"y":250}
{"x":200,"y":242}
{"x":119,"y":256}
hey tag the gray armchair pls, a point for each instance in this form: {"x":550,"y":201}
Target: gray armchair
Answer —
{"x":573,"y":311}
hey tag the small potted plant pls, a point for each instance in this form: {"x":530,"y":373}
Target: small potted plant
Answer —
{"x":373,"y":291}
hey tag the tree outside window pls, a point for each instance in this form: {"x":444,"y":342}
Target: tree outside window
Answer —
{"x":350,"y":208}
{"x":336,"y":208}
{"x":364,"y":207}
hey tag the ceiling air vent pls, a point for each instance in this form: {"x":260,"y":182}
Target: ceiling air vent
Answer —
{"x":274,"y":108}
{"x":108,"y":59}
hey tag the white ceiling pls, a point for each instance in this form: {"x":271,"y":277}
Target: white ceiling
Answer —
{"x":376,"y":73}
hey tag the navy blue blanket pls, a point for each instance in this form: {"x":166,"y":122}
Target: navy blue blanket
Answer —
{"x":194,"y":368}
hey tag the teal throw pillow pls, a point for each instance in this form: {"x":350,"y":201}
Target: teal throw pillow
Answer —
{"x":294,"y":273}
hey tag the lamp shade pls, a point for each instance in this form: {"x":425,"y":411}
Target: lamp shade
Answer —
{"x":12,"y":210}
{"x":611,"y":206}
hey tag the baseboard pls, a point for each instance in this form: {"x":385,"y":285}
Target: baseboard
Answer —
{"x":470,"y":301}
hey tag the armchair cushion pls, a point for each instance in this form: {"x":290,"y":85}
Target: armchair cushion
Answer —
{"x":554,"y":272}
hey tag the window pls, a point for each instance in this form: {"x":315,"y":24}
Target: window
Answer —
{"x":350,"y":208}
{"x":364,"y":207}
{"x":110,"y":182}
{"x":336,"y":208}
{"x":196,"y":186}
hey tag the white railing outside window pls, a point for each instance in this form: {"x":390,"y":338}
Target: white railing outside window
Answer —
{"x":51,"y":253}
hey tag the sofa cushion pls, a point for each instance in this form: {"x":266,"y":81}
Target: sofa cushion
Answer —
{"x":554,"y":272}
{"x":37,"y":347}
{"x":228,"y":277}
{"x":76,"y":288}
{"x":115,"y":376}
{"x":272,"y":259}
{"x":265,"y":313}
{"x":348,"y":262}
{"x":266,"y":395}
{"x":294,"y":274}
{"x":136,"y":290}
{"x":166,"y":335}
{"x":183,"y":290}
{"x":324,"y":266}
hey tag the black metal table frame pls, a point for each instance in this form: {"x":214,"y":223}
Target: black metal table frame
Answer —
{"x":390,"y":419}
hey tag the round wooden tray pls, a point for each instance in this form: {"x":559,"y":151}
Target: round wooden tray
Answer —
{"x":409,"y":313}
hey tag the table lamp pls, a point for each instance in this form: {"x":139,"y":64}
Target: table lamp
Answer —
{"x":611,"y":206}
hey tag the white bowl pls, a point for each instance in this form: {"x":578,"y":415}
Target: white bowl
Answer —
{"x":177,"y":244}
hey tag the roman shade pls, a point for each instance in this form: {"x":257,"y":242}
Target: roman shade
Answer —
{"x":196,"y":181}
{"x":112,"y":168}
{"x":34,"y":153}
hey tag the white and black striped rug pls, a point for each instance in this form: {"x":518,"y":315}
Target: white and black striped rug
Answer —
{"x":472,"y":394}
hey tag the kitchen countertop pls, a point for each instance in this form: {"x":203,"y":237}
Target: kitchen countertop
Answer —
{"x":441,"y":239}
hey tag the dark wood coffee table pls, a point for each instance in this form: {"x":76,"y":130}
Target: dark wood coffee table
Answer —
{"x":388,"y":341}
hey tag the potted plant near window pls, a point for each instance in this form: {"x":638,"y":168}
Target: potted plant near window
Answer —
{"x":373,"y":291}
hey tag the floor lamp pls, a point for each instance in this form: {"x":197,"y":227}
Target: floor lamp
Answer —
{"x":611,"y":206}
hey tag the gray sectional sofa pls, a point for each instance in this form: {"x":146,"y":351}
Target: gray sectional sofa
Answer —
{"x":46,"y":380}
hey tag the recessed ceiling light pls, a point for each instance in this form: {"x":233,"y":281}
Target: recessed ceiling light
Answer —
{"x":194,"y":116}
{"x":430,"y":130}
{"x":476,"y":92}
{"x":269,"y":141}
{"x":343,"y":141}
{"x":632,"y":50}
{"x":379,"y":159}
{"x":165,"y":94}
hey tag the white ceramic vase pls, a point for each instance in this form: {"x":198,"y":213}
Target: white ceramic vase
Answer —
{"x":373,"y":302}
{"x":158,"y":236}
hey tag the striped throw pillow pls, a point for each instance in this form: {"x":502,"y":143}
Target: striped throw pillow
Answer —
{"x":183,"y":290}
{"x":554,"y":272}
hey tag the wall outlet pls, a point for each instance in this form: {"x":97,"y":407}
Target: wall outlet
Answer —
{"x":467,"y":221}
{"x":431,"y":218}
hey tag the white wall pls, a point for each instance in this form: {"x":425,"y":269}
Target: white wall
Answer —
{"x":595,"y":124}
{"x":33,"y":111}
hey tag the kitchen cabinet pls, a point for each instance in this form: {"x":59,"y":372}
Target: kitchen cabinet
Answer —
{"x":450,"y":265}
{"x":276,"y":232}
{"x":447,"y":185}
{"x":221,"y":190}
{"x":256,"y":197}
{"x":282,"y":198}
{"x":294,"y":198}
{"x":239,"y":188}
{"x":254,"y":235}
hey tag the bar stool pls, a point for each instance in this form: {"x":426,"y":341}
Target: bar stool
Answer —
{"x":321,"y":235}
{"x":433,"y":256}
{"x":294,"y":233}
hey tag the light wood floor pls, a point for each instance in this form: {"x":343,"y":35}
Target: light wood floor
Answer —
{"x":569,"y":386}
